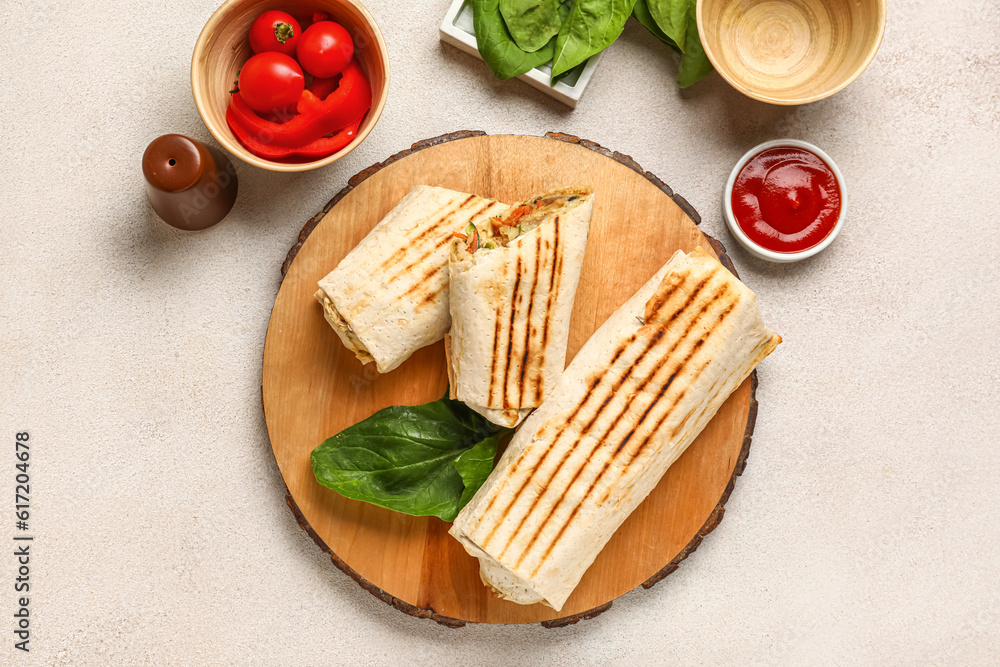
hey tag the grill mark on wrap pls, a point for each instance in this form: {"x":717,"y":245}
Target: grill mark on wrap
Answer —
{"x":472,"y":216}
{"x":643,"y":383}
{"x":424,"y":279}
{"x":510,"y":333}
{"x":653,"y":307}
{"x":430,"y":297}
{"x":433,"y":227}
{"x":680,"y":396}
{"x":423,"y":258}
{"x":496,"y":346}
{"x":663,"y":418}
{"x":527,"y":329}
{"x":444,"y":240}
{"x":553,"y":288}
{"x":559,"y":257}
{"x":517,"y":462}
{"x":590,"y":394}
{"x":561,"y":429}
{"x":659,"y":395}
{"x":665,"y":415}
{"x":683,"y":422}
{"x":400,"y":252}
{"x":721,"y":381}
{"x":565,"y":425}
{"x":649,"y":436}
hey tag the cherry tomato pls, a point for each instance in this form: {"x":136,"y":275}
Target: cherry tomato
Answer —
{"x":325,"y":49}
{"x":271,"y":81}
{"x":275,"y":31}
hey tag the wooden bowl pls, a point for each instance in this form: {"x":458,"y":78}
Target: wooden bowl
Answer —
{"x":223,"y":47}
{"x":790,"y":51}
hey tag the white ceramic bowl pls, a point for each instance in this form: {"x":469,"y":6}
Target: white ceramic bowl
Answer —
{"x":764,"y":253}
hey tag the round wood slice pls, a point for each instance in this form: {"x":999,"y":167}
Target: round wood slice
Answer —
{"x":313,"y":387}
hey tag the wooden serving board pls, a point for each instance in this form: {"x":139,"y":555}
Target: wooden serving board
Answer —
{"x":313,"y":387}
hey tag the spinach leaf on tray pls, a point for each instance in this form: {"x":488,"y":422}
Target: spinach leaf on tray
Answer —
{"x":504,"y":57}
{"x":532,"y":23}
{"x":592,"y":25}
{"x":642,"y":15}
{"x":516,"y":36}
{"x":672,"y":17}
{"x":424,"y":460}
{"x":694,"y":63}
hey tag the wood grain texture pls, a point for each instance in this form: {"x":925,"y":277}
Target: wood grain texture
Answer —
{"x":313,"y":387}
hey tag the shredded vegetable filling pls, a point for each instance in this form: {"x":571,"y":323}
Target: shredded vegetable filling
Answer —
{"x":498,"y":232}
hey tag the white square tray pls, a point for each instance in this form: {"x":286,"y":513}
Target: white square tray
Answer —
{"x":457,"y":30}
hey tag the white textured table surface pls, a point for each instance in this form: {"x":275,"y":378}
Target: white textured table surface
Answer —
{"x":864,"y":529}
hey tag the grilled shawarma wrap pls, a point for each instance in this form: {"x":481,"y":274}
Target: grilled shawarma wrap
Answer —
{"x":513,"y":281}
{"x":635,"y":396}
{"x":389,"y":296}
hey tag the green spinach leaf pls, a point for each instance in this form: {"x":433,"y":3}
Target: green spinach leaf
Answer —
{"x":571,"y":76}
{"x":531,"y":23}
{"x":475,"y":465}
{"x":424,"y":460}
{"x":504,"y":57}
{"x":592,"y":25}
{"x":694,"y":63}
{"x":672,"y":17}
{"x":642,"y":15}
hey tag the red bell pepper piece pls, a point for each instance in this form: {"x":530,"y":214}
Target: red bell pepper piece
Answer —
{"x":325,"y":146}
{"x":280,"y":116}
{"x":314,"y":150}
{"x":351,"y":99}
{"x":322,"y":88}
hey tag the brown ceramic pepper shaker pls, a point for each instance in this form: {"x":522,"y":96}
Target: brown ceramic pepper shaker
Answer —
{"x":190,"y":185}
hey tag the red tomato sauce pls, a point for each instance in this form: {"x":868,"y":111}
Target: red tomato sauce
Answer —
{"x":786,"y":199}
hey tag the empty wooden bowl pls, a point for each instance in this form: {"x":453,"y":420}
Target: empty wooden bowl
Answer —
{"x":790,"y":51}
{"x":224,"y":46}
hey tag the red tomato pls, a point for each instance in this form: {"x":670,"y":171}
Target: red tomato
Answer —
{"x":325,"y":49}
{"x":275,"y":31}
{"x":271,"y":81}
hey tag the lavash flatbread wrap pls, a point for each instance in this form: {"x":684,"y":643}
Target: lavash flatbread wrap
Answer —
{"x":635,"y":396}
{"x":512,"y":285}
{"x":389,"y":296}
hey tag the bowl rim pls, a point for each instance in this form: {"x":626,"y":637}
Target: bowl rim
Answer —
{"x":758,"y":250}
{"x":738,"y":85}
{"x":231,"y":144}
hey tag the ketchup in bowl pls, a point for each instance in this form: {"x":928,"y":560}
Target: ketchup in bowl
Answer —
{"x":786,"y":199}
